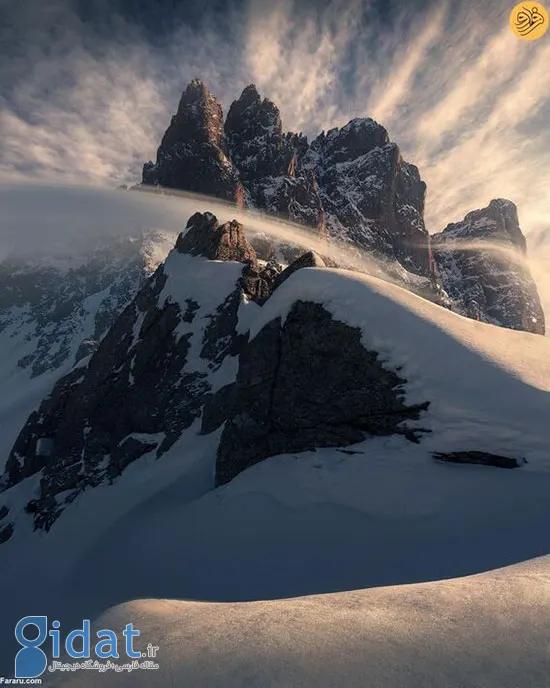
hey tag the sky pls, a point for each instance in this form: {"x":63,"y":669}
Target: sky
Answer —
{"x":87,"y":88}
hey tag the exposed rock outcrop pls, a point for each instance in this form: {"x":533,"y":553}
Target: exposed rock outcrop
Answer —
{"x":307,"y":260}
{"x":269,"y":161}
{"x":303,"y":384}
{"x":149,"y":378}
{"x":481,"y":264}
{"x":205,"y":237}
{"x":372,"y":197}
{"x":480,"y":458}
{"x":255,"y":139}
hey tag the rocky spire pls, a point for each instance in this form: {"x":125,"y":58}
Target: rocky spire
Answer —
{"x":255,"y":137}
{"x":191,"y":155}
{"x":492,"y":284}
{"x":199,"y":118}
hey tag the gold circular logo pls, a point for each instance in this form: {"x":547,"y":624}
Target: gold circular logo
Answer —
{"x":529,"y":20}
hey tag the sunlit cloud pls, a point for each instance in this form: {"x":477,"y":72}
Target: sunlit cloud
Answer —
{"x":466,"y":100}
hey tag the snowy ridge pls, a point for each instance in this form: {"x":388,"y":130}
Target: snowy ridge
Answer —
{"x":429,"y":345}
{"x":325,"y":522}
{"x":500,"y":371}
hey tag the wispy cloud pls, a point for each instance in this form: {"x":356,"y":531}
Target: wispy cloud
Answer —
{"x":467,"y":101}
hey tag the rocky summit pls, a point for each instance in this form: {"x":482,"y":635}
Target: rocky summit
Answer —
{"x":349,"y":185}
{"x":191,"y":155}
{"x":481,"y":264}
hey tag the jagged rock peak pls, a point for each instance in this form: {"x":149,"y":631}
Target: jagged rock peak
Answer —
{"x":196,"y":89}
{"x":499,"y":220}
{"x":357,"y":137}
{"x":250,"y":110}
{"x":199,"y":116}
{"x":192,"y":153}
{"x":484,"y":282}
{"x":206,"y":237}
{"x":249,"y":96}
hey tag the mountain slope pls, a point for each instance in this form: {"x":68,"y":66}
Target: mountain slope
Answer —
{"x":474,"y":377}
{"x":169,"y":349}
{"x":326,"y":521}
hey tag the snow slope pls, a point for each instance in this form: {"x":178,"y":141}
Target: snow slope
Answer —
{"x":488,"y":388}
{"x":331,"y":528}
{"x":488,"y":631}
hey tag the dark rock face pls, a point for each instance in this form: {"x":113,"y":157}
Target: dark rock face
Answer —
{"x":255,"y":138}
{"x":492,"y":284}
{"x":146,"y":383}
{"x":480,"y":458}
{"x":205,"y":237}
{"x":268,"y":161}
{"x":294,"y":198}
{"x":305,"y":384}
{"x":191,"y":155}
{"x":372,"y":198}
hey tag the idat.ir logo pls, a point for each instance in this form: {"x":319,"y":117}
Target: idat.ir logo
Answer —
{"x":32,"y":632}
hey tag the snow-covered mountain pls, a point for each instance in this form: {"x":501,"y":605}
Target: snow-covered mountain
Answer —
{"x":55,"y":313}
{"x":189,"y":348}
{"x":340,"y":417}
{"x":216,"y":415}
{"x":349,"y":185}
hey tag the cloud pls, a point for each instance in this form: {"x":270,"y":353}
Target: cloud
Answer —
{"x":466,"y":100}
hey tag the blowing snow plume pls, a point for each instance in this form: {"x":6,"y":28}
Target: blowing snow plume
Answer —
{"x":44,"y":221}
